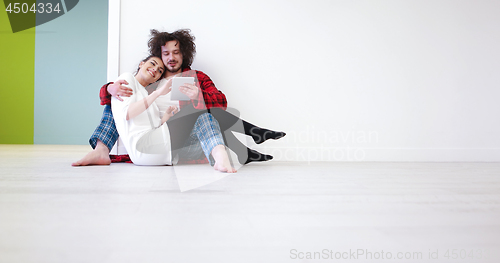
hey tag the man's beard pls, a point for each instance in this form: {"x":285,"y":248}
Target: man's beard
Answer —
{"x":174,"y":70}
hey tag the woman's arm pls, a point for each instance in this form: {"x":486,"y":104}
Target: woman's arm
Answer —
{"x":140,"y":106}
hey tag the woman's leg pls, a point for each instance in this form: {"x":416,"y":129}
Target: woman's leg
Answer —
{"x":228,"y":120}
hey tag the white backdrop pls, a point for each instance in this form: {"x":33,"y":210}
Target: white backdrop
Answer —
{"x":374,"y":80}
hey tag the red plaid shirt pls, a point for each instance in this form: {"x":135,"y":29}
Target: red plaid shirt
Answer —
{"x":209,"y":97}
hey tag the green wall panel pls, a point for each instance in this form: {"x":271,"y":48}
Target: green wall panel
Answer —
{"x":17,"y":77}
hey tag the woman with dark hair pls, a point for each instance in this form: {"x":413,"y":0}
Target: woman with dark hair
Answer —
{"x":145,"y":133}
{"x":177,"y":51}
{"x":153,"y":139}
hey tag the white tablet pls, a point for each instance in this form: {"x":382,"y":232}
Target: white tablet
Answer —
{"x":176,"y":83}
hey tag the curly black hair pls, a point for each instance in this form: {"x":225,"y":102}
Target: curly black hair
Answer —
{"x":182,"y":36}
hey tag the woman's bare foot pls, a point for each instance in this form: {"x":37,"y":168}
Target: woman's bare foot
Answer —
{"x":99,"y":156}
{"x":221,"y":158}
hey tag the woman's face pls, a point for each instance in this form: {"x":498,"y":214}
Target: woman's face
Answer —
{"x":151,"y":70}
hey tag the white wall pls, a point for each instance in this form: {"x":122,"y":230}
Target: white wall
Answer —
{"x":373,"y":80}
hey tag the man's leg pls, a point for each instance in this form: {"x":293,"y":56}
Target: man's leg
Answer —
{"x":206,"y":136}
{"x":209,"y":134}
{"x":98,"y":156}
{"x":228,"y":123}
{"x":181,"y":125}
{"x":229,"y":120}
{"x":245,"y":154}
{"x":106,"y":131}
{"x":102,"y":141}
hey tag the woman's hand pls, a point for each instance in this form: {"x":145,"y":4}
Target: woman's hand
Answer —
{"x":171,"y":110}
{"x":165,"y":88}
{"x":117,"y":89}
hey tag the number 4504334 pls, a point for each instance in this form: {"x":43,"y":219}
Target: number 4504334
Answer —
{"x":35,"y":8}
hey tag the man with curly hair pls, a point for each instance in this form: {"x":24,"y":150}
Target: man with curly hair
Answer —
{"x":177,"y":50}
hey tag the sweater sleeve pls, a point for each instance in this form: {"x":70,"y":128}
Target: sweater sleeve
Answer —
{"x":212,"y":97}
{"x":104,"y":94}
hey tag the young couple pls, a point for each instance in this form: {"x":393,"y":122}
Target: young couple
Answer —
{"x":159,"y":131}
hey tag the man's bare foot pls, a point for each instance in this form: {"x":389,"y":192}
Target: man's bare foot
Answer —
{"x":99,"y":156}
{"x":221,"y":158}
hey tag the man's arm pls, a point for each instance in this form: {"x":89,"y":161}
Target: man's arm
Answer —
{"x":210,"y":96}
{"x":116,"y":90}
{"x":104,"y":95}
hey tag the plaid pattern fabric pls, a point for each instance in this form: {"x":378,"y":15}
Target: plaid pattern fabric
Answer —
{"x":104,"y":95}
{"x":210,"y":94}
{"x":106,"y":131}
{"x":204,"y":137}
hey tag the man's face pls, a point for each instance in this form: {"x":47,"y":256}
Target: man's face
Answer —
{"x":172,"y":57}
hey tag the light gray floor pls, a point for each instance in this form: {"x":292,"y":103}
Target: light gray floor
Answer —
{"x":268,"y":212}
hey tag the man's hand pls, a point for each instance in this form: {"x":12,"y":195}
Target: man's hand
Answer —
{"x":117,"y":89}
{"x":190,"y":90}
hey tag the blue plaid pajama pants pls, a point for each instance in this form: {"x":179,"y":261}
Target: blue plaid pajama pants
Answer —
{"x":204,"y":136}
{"x":106,"y":131}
